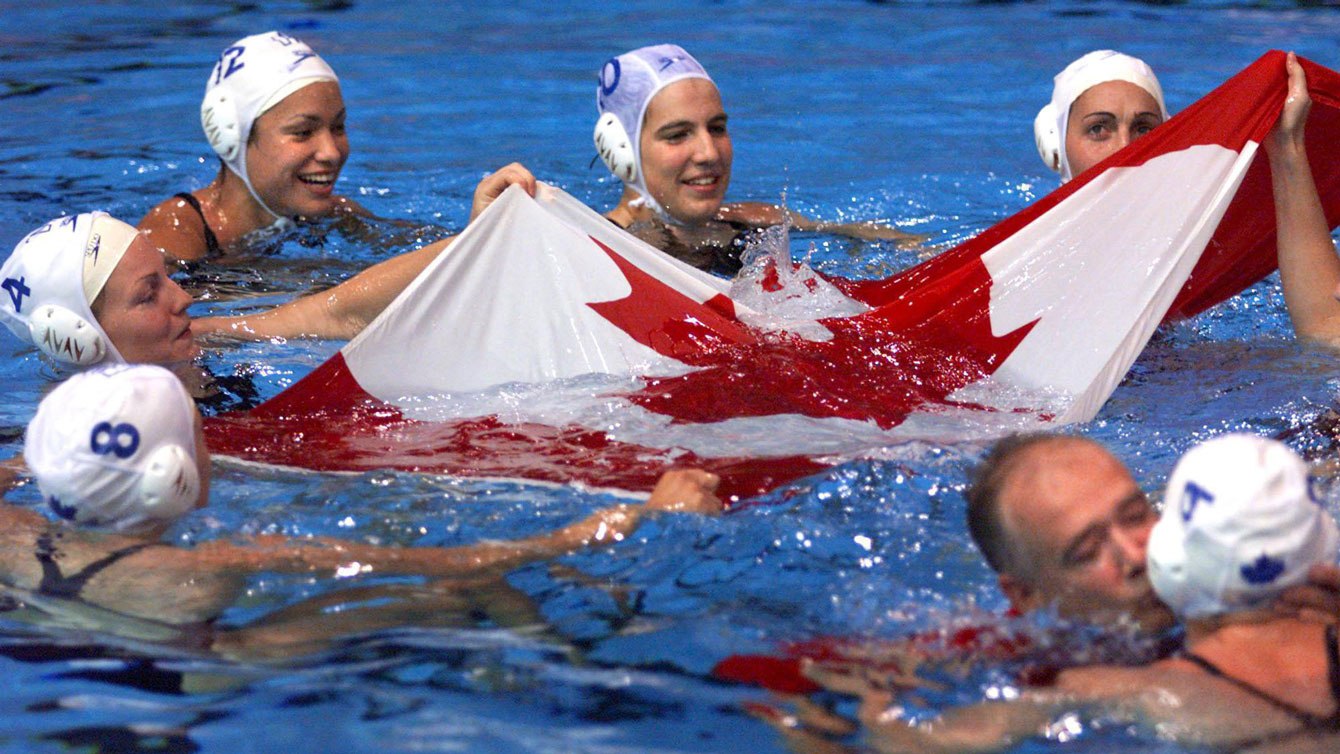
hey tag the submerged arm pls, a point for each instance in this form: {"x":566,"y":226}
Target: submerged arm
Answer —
{"x":985,"y":727}
{"x":1309,"y":268}
{"x":688,"y":490}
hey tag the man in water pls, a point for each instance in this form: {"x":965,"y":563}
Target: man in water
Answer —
{"x":1063,"y":524}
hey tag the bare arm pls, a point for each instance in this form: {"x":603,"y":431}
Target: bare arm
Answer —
{"x":688,"y":490}
{"x":343,"y":311}
{"x":1309,"y":268}
{"x":339,"y":313}
{"x":760,"y":215}
{"x":985,"y":727}
{"x":1318,"y":600}
{"x":10,"y":470}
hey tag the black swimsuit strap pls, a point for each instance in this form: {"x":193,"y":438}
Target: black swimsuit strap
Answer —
{"x":1308,"y":719}
{"x":1333,"y":669}
{"x":56,"y":584}
{"x":212,"y":248}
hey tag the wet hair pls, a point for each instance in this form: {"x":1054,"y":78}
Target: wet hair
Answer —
{"x":985,"y":523}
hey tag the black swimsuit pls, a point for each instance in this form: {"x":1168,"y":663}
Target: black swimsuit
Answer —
{"x":1310,"y":722}
{"x":719,"y":259}
{"x":57,"y":584}
{"x":212,"y":248}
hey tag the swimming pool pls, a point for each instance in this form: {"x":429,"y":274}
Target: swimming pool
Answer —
{"x":913,"y":112}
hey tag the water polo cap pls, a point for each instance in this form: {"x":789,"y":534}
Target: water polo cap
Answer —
{"x":253,"y":75}
{"x":1090,"y":70}
{"x":52,"y":278}
{"x":626,"y":87}
{"x":114,"y":448}
{"x":1239,"y":525}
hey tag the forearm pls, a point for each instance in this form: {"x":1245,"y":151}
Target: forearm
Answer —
{"x":339,"y":313}
{"x":759,"y":215}
{"x":987,"y":727}
{"x":275,"y":553}
{"x":1309,"y":268}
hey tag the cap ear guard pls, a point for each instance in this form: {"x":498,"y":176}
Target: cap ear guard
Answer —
{"x":615,"y":148}
{"x":218,"y":116}
{"x":170,"y":485}
{"x":1047,"y":137}
{"x":66,"y":336}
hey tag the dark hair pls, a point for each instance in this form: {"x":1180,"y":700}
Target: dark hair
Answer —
{"x":985,"y":523}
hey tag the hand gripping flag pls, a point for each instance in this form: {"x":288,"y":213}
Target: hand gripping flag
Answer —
{"x":547,"y":344}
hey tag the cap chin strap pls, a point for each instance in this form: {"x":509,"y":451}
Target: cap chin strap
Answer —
{"x":66,"y":336}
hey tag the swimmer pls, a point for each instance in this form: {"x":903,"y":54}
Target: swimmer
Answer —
{"x":118,"y":454}
{"x":1100,"y":103}
{"x":1064,"y":526}
{"x":274,"y":114}
{"x":1105,"y":100}
{"x":89,"y":288}
{"x":677,"y":168}
{"x":1239,"y":528}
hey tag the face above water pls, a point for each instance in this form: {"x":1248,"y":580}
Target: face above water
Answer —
{"x":297,"y":149}
{"x":1081,"y":526}
{"x":143,"y":311}
{"x":686,"y":150}
{"x":1105,"y":118}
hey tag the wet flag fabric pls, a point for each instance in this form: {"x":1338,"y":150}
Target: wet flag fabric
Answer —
{"x":546,"y":344}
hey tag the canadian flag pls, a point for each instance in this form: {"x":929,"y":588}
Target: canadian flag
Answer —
{"x":546,"y":344}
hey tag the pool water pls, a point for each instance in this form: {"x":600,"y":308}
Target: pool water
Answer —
{"x":918,"y":113}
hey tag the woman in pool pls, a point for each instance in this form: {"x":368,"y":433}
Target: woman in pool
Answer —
{"x":1100,"y":103}
{"x":88,"y":288}
{"x":1105,"y":100}
{"x":677,"y":169}
{"x":118,"y":452}
{"x":274,"y":114}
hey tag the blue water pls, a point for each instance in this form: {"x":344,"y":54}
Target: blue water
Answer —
{"x":914,"y":112}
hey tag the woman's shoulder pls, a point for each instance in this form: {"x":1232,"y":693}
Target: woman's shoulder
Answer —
{"x":177,"y":226}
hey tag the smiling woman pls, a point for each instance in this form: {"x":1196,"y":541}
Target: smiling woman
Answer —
{"x":274,"y":114}
{"x":662,"y":131}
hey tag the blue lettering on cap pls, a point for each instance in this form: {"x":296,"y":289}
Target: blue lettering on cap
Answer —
{"x":229,"y":63}
{"x":1193,"y":496}
{"x":18,"y":290}
{"x":67,"y":512}
{"x":1263,"y":570}
{"x":298,"y":57}
{"x":610,"y":74}
{"x":121,"y":440}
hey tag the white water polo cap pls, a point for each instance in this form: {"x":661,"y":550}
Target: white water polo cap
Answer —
{"x":1239,"y":525}
{"x":52,"y":278}
{"x":1095,"y":68}
{"x":251,"y":76}
{"x":626,"y":87}
{"x":114,"y":448}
